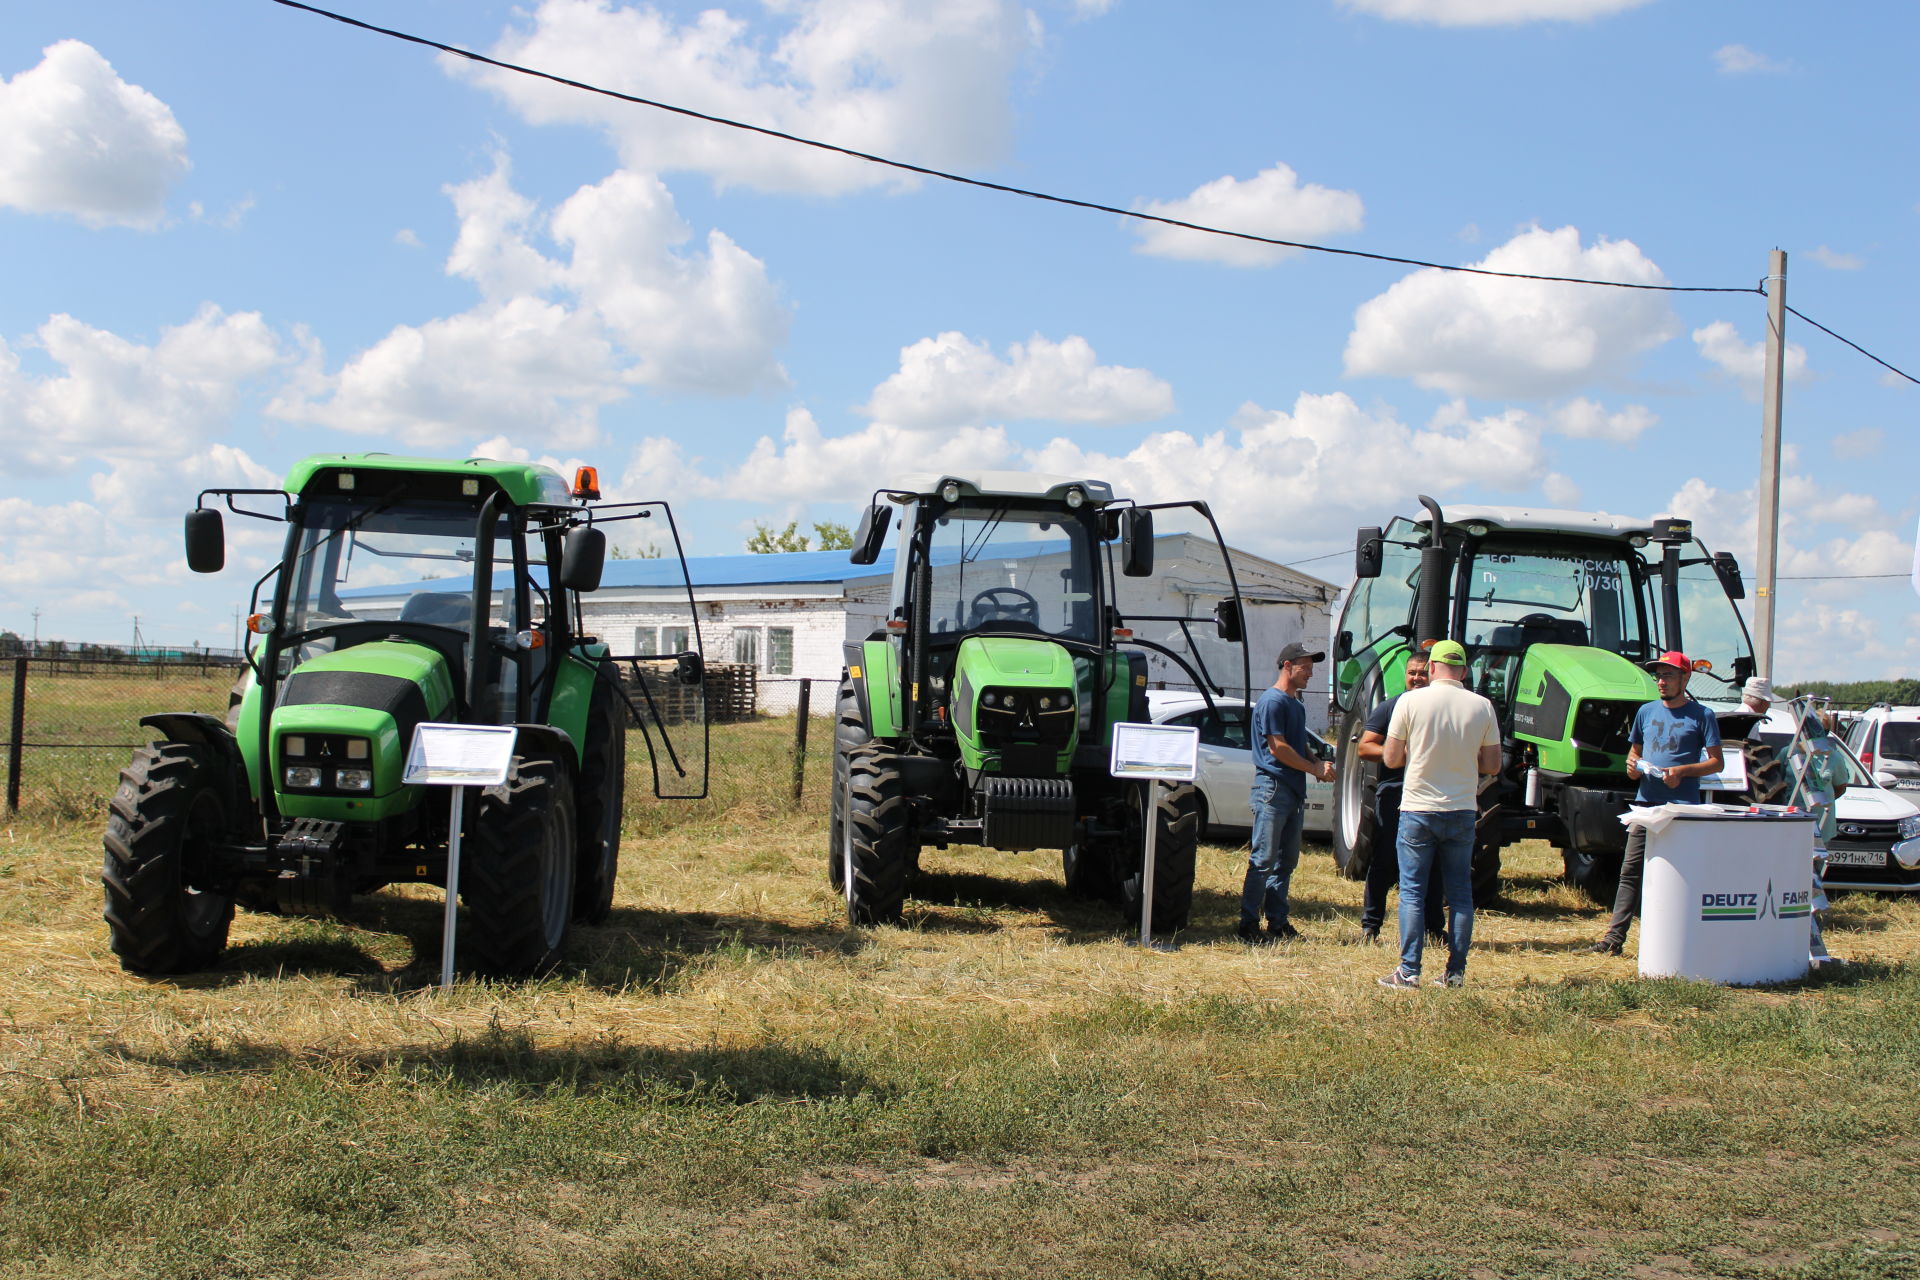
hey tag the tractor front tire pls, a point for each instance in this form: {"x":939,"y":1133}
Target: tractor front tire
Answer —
{"x":878,"y":845}
{"x":1354,"y":824}
{"x":1089,"y":873}
{"x":518,"y":886}
{"x":849,"y":734}
{"x":1486,"y":857}
{"x":600,"y":801}
{"x":163,"y":823}
{"x":1175,"y":846}
{"x":1596,"y":874}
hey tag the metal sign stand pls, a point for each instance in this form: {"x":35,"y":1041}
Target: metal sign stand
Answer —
{"x":1155,"y":754}
{"x":457,"y":756}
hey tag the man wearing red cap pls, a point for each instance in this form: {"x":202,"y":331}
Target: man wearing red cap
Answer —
{"x":1675,"y":743}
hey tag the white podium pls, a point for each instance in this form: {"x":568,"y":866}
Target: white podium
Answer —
{"x":1728,"y":893}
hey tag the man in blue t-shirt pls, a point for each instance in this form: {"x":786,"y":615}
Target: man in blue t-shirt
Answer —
{"x":1282,"y":760}
{"x":1675,"y":743}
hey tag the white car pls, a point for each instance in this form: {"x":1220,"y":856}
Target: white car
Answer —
{"x":1887,"y":741}
{"x":1225,"y":775}
{"x":1876,"y":841}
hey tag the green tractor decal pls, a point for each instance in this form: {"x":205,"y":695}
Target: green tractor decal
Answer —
{"x":981,"y":711}
{"x":1558,"y":610}
{"x":408,"y":591}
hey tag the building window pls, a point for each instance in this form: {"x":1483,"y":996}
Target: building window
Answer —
{"x":780,"y":651}
{"x":746,"y":646}
{"x":673,"y":640}
{"x":644,"y":643}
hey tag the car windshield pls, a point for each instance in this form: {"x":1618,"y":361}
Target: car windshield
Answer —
{"x":1004,"y":564}
{"x":1846,"y":770}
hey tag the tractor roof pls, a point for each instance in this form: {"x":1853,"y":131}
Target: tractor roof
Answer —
{"x":1597,"y":524}
{"x":525,"y":483}
{"x":1005,"y":484}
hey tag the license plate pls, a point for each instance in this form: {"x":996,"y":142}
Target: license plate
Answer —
{"x":1856,"y":858}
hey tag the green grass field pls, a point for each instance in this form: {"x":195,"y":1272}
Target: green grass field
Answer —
{"x":726,"y":1082}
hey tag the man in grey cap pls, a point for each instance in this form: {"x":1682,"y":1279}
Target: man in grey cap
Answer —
{"x":1282,"y":760}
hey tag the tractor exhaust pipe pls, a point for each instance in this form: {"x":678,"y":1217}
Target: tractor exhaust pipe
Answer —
{"x":1436,"y":572}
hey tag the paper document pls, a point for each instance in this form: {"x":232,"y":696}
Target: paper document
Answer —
{"x":1166,"y":751}
{"x":460,"y":755}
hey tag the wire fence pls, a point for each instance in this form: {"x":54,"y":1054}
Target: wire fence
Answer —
{"x":72,"y":724}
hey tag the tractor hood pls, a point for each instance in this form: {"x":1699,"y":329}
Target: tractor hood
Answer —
{"x":1576,"y":705}
{"x":1014,"y":705}
{"x":354,"y":710}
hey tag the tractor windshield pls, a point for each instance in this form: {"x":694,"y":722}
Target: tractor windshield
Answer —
{"x":1004,"y":564}
{"x":1521,"y":593}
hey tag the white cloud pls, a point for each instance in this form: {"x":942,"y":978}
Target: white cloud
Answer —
{"x":556,"y":340}
{"x":806,"y":465}
{"x":406,"y":236}
{"x":1836,"y":261}
{"x":1739,"y":60}
{"x":1744,"y":362}
{"x":1863,"y":443}
{"x":1272,"y":203}
{"x":1491,"y":13}
{"x":1495,"y":338}
{"x":118,"y":399}
{"x":952,"y":380}
{"x":1824,"y":532}
{"x":76,"y":139}
{"x":1303,"y":464}
{"x":1585,"y":419}
{"x":918,"y":81}
{"x":1561,"y":491}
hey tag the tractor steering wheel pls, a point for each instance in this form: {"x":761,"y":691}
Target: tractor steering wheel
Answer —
{"x":1020,"y":607}
{"x":1537,"y":620}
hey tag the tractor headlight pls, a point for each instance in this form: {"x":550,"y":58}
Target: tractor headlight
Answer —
{"x":357,"y":749}
{"x":302,"y":777}
{"x":1909,"y":827}
{"x":1046,"y":703}
{"x":950,"y":491}
{"x":353,"y":779}
{"x":989,"y":699}
{"x":294,"y":745}
{"x":1076,"y":497}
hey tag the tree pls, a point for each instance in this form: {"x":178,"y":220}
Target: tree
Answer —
{"x":833,"y":537}
{"x":766,"y":542}
{"x":11,"y":645}
{"x":638,"y":551}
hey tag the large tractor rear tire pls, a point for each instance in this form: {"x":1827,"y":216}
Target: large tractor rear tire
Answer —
{"x":878,"y":842}
{"x":1354,"y":825}
{"x":163,"y":823}
{"x":849,"y":733}
{"x":1595,"y":874}
{"x":1767,"y":781}
{"x":518,"y":886}
{"x":1175,"y":844}
{"x":600,"y":800}
{"x":1486,"y":857}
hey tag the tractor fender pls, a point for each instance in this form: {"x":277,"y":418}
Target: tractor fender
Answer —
{"x":200,"y":730}
{"x":546,"y":740}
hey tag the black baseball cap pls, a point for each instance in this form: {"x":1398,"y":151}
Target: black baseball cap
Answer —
{"x":1297,"y":652}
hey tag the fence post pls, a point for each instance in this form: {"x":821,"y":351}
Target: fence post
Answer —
{"x":800,"y":741}
{"x":16,"y":734}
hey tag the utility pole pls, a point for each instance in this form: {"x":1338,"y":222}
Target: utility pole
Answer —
{"x":1767,"y":493}
{"x":36,"y":633}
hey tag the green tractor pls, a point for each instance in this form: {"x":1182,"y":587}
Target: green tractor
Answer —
{"x":296,"y":802}
{"x":981,"y":711}
{"x":1558,"y":611}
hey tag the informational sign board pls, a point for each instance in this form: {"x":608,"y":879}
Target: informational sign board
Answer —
{"x":1156,"y":752}
{"x":459,"y":755}
{"x":1732,"y":775}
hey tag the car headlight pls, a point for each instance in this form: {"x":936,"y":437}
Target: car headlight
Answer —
{"x":353,"y":779}
{"x":302,"y":777}
{"x":1909,"y":827}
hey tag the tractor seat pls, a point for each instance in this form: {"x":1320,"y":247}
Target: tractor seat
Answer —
{"x":443,"y":608}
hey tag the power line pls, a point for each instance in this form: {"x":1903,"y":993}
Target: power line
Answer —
{"x":1095,"y":206}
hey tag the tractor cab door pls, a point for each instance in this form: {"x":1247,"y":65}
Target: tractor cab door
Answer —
{"x":1375,"y":630}
{"x":1195,"y":613}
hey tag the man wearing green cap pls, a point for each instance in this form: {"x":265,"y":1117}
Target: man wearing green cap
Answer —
{"x":1447,"y":738}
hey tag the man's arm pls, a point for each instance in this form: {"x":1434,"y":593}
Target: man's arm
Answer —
{"x":1698,"y":770}
{"x":1292,"y":759}
{"x":1489,"y":760}
{"x":1393,"y":753}
{"x":1633,"y":761}
{"x":1369,"y":747}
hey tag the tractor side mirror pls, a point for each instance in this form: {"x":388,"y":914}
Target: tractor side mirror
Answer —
{"x":206,"y":541}
{"x":1729,"y":570}
{"x":1228,"y":621}
{"x":583,"y":558}
{"x":1136,"y":543}
{"x":871,"y":536}
{"x":690,"y":669}
{"x":1368,"y":547}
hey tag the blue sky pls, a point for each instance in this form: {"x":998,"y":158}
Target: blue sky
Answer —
{"x":233,"y":234}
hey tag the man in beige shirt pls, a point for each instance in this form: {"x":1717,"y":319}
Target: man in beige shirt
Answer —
{"x":1448,"y":739}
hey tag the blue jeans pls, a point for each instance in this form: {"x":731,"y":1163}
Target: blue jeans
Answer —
{"x":1436,"y":845}
{"x":1277,"y":815}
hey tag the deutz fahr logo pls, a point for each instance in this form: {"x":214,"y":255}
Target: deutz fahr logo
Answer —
{"x":1756,"y":906}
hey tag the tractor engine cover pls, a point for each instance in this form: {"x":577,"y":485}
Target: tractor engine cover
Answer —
{"x":1026,"y":813}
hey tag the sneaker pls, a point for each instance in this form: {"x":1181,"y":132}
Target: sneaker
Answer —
{"x":1451,"y":980}
{"x":1605,"y":948}
{"x":1401,"y":980}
